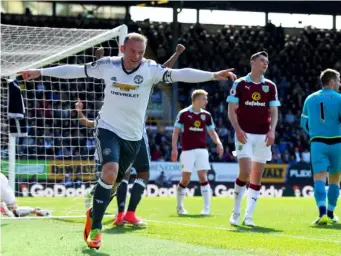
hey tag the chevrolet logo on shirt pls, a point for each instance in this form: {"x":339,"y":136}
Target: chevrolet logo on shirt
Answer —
{"x":124,"y":87}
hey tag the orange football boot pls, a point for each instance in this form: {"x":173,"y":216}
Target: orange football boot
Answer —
{"x":88,"y":224}
{"x":94,"y":240}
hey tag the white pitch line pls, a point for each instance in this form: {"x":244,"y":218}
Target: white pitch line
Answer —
{"x":241,"y":231}
{"x":186,"y":225}
{"x":47,"y":218}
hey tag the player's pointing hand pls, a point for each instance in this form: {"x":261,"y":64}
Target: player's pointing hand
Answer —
{"x":30,"y":74}
{"x":225,"y":75}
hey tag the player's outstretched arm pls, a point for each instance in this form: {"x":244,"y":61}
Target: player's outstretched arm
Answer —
{"x":214,"y":136}
{"x":68,"y":71}
{"x":178,"y":51}
{"x":85,"y":122}
{"x":190,"y":75}
{"x":64,"y":72}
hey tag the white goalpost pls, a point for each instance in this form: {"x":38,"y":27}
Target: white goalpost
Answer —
{"x":56,"y":159}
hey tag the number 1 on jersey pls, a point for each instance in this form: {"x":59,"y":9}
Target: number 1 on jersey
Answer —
{"x":322,"y":112}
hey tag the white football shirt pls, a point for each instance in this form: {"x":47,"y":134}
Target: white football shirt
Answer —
{"x":126,"y":94}
{"x":7,"y":194}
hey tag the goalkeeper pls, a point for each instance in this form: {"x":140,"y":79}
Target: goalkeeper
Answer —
{"x":141,"y":164}
{"x":321,"y":119}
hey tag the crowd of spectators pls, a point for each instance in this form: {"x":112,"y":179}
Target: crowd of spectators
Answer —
{"x":296,"y":59}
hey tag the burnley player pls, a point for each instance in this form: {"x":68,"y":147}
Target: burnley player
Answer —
{"x":194,"y":122}
{"x":321,"y":119}
{"x":129,"y":81}
{"x":253,"y":112}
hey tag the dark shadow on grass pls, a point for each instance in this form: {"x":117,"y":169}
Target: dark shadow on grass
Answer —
{"x":333,"y":226}
{"x":3,"y":224}
{"x":195,"y":216}
{"x":122,"y":229}
{"x":257,"y":229}
{"x":69,"y":220}
{"x":88,"y":251}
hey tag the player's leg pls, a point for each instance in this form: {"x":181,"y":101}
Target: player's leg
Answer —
{"x":187,"y":159}
{"x":129,"y":151}
{"x":22,"y":211}
{"x":108,"y":148}
{"x":320,"y":165}
{"x":260,"y":155}
{"x":333,"y":195}
{"x":142,"y":166}
{"x":334,"y":181}
{"x":121,"y":195}
{"x":202,"y":165}
{"x":88,"y":196}
{"x":244,"y":153}
{"x":257,"y":169}
{"x":205,"y":190}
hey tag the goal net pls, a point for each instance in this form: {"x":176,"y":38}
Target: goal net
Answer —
{"x":56,"y":159}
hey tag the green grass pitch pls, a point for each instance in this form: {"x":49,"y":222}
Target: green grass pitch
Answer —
{"x":284,"y":229}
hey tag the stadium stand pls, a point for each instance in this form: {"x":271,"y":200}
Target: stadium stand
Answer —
{"x":295,"y":62}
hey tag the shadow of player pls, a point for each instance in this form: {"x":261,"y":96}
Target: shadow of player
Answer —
{"x":257,"y":229}
{"x":194,"y":216}
{"x":333,"y":226}
{"x":88,"y":251}
{"x":116,"y":230}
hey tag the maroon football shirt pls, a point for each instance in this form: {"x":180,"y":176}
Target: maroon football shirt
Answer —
{"x":194,"y":127}
{"x":254,"y":101}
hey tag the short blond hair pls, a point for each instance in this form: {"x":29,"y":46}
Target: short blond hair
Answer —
{"x":136,"y":37}
{"x":198,"y":93}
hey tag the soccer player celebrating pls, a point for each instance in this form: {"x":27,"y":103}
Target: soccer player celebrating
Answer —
{"x":141,"y":163}
{"x":253,"y":112}
{"x":321,"y":119}
{"x":9,"y":206}
{"x":129,"y":81}
{"x":194,"y":122}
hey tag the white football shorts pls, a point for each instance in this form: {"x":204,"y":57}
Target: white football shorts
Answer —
{"x":255,"y":148}
{"x":194,"y":160}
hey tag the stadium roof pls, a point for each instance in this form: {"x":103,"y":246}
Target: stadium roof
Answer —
{"x":304,"y":7}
